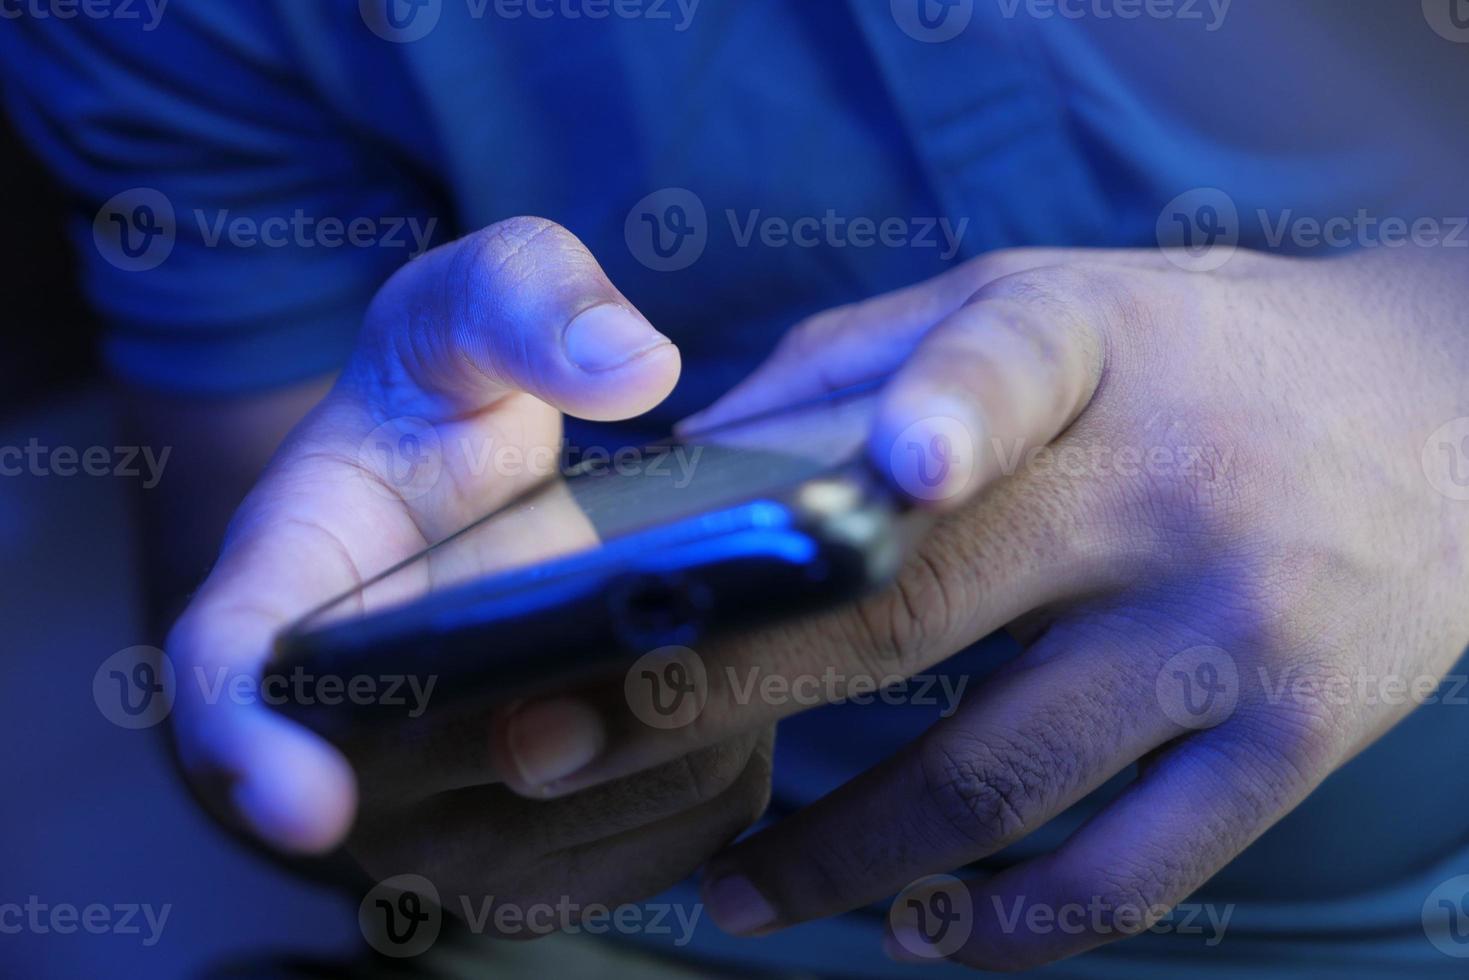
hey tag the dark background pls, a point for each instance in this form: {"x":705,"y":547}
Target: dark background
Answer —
{"x":50,"y":339}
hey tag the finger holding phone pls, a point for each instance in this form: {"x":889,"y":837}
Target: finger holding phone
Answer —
{"x":482,"y":343}
{"x":1201,"y":501}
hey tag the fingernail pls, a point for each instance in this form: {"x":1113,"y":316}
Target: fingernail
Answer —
{"x":736,"y":906}
{"x":608,"y":336}
{"x":551,"y":740}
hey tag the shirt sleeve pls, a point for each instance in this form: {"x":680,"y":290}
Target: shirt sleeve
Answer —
{"x":230,"y":222}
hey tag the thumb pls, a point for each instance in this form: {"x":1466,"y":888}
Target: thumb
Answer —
{"x":519,"y":306}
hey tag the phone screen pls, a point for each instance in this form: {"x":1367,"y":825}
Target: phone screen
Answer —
{"x":604,"y":495}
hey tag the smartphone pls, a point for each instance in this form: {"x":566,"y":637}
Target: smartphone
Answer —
{"x":614,"y":557}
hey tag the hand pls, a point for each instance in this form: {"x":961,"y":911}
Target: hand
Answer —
{"x":1231,"y":533}
{"x":483,"y":343}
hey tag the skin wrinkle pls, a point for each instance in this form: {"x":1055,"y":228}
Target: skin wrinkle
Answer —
{"x":978,"y":792}
{"x":486,"y":265}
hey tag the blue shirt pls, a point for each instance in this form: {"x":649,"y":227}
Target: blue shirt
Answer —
{"x":888,"y":145}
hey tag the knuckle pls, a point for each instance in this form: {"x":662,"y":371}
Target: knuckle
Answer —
{"x":983,"y":794}
{"x":903,"y":624}
{"x":1043,"y":346}
{"x":750,"y":795}
{"x":1074,"y":287}
{"x":1051,"y":313}
{"x":1049,"y":284}
{"x":1127,"y":301}
{"x":710,"y":773}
